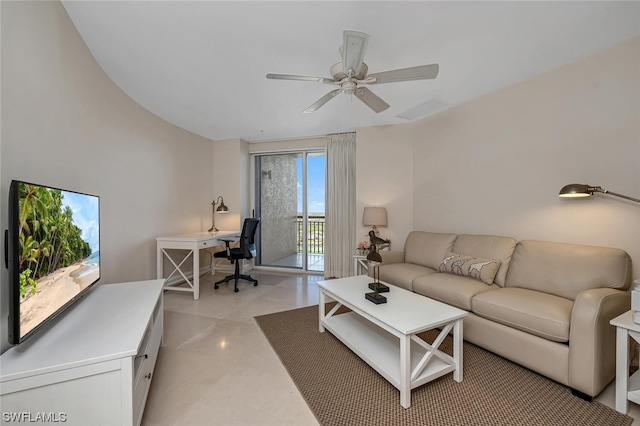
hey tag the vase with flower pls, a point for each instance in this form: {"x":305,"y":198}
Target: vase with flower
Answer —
{"x":363,"y":247}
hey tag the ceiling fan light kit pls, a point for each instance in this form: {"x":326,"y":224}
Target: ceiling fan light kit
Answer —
{"x":351,"y":73}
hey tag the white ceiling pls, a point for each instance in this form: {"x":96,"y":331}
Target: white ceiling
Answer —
{"x":202,"y":65}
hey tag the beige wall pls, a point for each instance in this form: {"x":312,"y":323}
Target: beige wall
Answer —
{"x":495,"y":165}
{"x":384,"y":175}
{"x":65,"y":123}
{"x":231,"y":181}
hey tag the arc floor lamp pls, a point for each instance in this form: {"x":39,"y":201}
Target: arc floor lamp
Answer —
{"x":577,"y":190}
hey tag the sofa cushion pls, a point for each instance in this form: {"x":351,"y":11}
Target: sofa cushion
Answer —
{"x":401,"y":274}
{"x":531,"y":311}
{"x":489,"y":247}
{"x":478,"y":268}
{"x":451,"y":289}
{"x":565,"y":270}
{"x":427,"y":248}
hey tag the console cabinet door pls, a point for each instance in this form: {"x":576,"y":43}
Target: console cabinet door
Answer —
{"x":89,"y":395}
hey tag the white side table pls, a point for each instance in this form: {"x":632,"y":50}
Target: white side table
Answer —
{"x":627,"y":388}
{"x":360,"y":264}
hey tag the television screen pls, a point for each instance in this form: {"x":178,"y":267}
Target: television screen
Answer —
{"x":54,"y":253}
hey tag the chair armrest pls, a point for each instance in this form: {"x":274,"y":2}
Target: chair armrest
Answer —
{"x":227,"y":246}
{"x":592,"y":340}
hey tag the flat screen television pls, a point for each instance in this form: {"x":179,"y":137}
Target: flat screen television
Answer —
{"x":53,"y":254}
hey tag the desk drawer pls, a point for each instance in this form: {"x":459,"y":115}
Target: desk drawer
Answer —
{"x":209,"y":243}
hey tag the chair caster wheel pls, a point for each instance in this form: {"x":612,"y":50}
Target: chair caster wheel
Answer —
{"x":215,"y":287}
{"x":255,"y":284}
{"x":235,"y":290}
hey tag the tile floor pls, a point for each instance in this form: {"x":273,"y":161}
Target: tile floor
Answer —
{"x":215,"y":366}
{"x":315,"y":262}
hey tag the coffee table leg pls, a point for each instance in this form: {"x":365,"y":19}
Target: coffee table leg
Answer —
{"x":405,"y":371}
{"x":457,"y":350}
{"x":321,"y":308}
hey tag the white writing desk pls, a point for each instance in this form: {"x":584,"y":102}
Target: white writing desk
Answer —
{"x":193,"y":243}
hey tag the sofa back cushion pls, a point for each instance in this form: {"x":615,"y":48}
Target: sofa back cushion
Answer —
{"x":427,"y":248}
{"x":567,"y":269}
{"x":488,"y":247}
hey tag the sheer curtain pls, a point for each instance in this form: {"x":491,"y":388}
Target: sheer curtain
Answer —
{"x":341,"y":205}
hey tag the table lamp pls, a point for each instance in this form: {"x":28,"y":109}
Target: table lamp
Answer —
{"x":374,"y":217}
{"x":222,"y":208}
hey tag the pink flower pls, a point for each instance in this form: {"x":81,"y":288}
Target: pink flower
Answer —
{"x":363,"y":245}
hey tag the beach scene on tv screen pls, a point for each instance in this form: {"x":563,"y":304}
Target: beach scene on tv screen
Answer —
{"x":59,"y":250}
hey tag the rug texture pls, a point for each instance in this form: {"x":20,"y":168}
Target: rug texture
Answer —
{"x":341,"y":389}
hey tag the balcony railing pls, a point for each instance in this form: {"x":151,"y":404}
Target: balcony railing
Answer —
{"x":315,"y":234}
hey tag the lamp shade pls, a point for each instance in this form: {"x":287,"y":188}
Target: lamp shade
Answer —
{"x":374,"y":216}
{"x":577,"y":190}
{"x":222,"y":208}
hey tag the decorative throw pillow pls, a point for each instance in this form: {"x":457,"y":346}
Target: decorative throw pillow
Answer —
{"x":479,"y":268}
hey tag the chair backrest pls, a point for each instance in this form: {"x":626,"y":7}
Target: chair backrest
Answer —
{"x":248,"y":237}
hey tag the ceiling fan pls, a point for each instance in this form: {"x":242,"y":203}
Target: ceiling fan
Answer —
{"x":351,"y":74}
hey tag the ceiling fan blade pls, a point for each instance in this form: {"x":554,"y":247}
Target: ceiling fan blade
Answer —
{"x":323,"y":100}
{"x":353,"y":50}
{"x":421,"y":72}
{"x":371,"y":99}
{"x":300,"y":78}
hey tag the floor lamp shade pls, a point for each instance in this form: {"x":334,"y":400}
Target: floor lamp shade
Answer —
{"x":578,"y":190}
{"x":374,"y":216}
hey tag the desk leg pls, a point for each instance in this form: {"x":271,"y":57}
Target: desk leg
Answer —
{"x":196,"y":273}
{"x":622,"y":369}
{"x":159,"y":264}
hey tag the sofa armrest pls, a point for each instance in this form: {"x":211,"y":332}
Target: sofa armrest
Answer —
{"x":389,"y":257}
{"x":592,"y":340}
{"x":392,"y":256}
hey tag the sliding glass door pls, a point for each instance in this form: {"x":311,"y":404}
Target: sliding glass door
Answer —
{"x":289,"y":199}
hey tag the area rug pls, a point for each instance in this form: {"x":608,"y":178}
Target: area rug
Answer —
{"x":341,"y":389}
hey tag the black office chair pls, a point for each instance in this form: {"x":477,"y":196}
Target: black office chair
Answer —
{"x":247,"y":250}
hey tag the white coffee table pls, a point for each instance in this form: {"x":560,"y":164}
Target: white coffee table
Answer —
{"x":384,"y":336}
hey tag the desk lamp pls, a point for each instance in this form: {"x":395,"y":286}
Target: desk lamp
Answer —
{"x":578,"y":190}
{"x":222,"y":208}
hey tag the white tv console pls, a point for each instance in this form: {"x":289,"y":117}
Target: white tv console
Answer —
{"x":93,"y":365}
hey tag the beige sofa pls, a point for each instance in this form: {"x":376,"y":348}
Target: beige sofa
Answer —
{"x":543,"y":305}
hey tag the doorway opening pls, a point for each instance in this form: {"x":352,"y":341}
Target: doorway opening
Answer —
{"x":290,"y":200}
